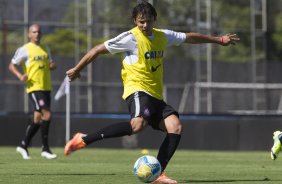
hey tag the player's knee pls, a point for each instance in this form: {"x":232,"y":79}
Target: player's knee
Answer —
{"x":178,"y":128}
{"x":46,"y":115}
{"x":175,"y":129}
{"x":137,"y":125}
{"x":136,"y":128}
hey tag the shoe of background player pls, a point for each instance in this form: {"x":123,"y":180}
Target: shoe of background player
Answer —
{"x":23,"y":152}
{"x":74,"y":144}
{"x":276,"y":146}
{"x":48,"y":154}
{"x":164,"y":179}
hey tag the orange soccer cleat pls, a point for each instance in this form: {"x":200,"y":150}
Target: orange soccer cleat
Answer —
{"x":74,"y":144}
{"x":164,"y":179}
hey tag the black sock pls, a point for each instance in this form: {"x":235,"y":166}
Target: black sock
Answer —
{"x":44,"y":134}
{"x":114,"y":130}
{"x":168,"y":148}
{"x":29,"y":133}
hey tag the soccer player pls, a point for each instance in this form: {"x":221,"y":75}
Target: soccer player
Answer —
{"x":276,"y":148}
{"x":36,"y":63}
{"x":142,"y":50}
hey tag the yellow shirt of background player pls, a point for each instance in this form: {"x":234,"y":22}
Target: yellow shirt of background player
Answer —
{"x":38,"y":71}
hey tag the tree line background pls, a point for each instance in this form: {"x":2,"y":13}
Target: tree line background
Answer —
{"x":227,"y":16}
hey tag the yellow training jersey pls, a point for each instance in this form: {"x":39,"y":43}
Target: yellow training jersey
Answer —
{"x":147,"y":73}
{"x":37,"y":68}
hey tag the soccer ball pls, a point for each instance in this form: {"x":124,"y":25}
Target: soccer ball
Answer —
{"x":147,"y":168}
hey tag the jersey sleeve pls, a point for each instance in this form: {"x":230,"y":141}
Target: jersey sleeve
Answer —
{"x":122,"y":43}
{"x":173,"y":37}
{"x":20,"y":56}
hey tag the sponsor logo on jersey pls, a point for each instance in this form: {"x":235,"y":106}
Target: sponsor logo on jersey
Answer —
{"x":41,"y":67}
{"x":38,"y":58}
{"x":154,"y":54}
{"x":154,"y":68}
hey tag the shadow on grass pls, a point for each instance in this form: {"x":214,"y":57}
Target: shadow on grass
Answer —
{"x":67,"y":174}
{"x":228,"y":181}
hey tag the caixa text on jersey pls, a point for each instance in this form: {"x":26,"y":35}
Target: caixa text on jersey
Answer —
{"x":154,"y":54}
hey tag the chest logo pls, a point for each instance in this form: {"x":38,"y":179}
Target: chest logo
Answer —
{"x":153,"y":69}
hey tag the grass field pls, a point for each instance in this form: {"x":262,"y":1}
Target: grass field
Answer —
{"x":114,"y":166}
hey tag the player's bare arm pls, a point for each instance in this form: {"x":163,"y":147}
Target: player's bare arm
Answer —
{"x":52,"y":65}
{"x":224,"y":40}
{"x":13,"y":68}
{"x":86,"y":59}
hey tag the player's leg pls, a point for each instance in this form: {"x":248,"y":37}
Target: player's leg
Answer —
{"x":276,"y":148}
{"x":43,"y":102}
{"x":81,"y":140}
{"x":115,"y":130}
{"x":111,"y":131}
{"x":173,"y":127}
{"x":31,"y":129}
{"x":170,"y":124}
{"x":45,"y":124}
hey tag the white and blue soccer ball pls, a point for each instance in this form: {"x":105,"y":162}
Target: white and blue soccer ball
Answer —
{"x":147,"y":168}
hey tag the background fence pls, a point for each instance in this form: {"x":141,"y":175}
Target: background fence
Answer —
{"x":198,"y":78}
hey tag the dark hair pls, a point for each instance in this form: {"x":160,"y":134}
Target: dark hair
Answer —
{"x":145,"y":9}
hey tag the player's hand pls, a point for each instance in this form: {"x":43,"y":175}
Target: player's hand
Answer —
{"x":229,"y":39}
{"x":24,"y":77}
{"x":52,"y":66}
{"x":73,"y":74}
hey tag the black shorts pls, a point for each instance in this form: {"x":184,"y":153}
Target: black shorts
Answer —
{"x":40,"y":100}
{"x":153,"y":110}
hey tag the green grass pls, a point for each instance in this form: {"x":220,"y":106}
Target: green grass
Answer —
{"x":114,"y":166}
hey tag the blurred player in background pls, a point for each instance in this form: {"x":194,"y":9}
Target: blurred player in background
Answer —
{"x":276,"y":148}
{"x":36,"y":63}
{"x":142,"y":49}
